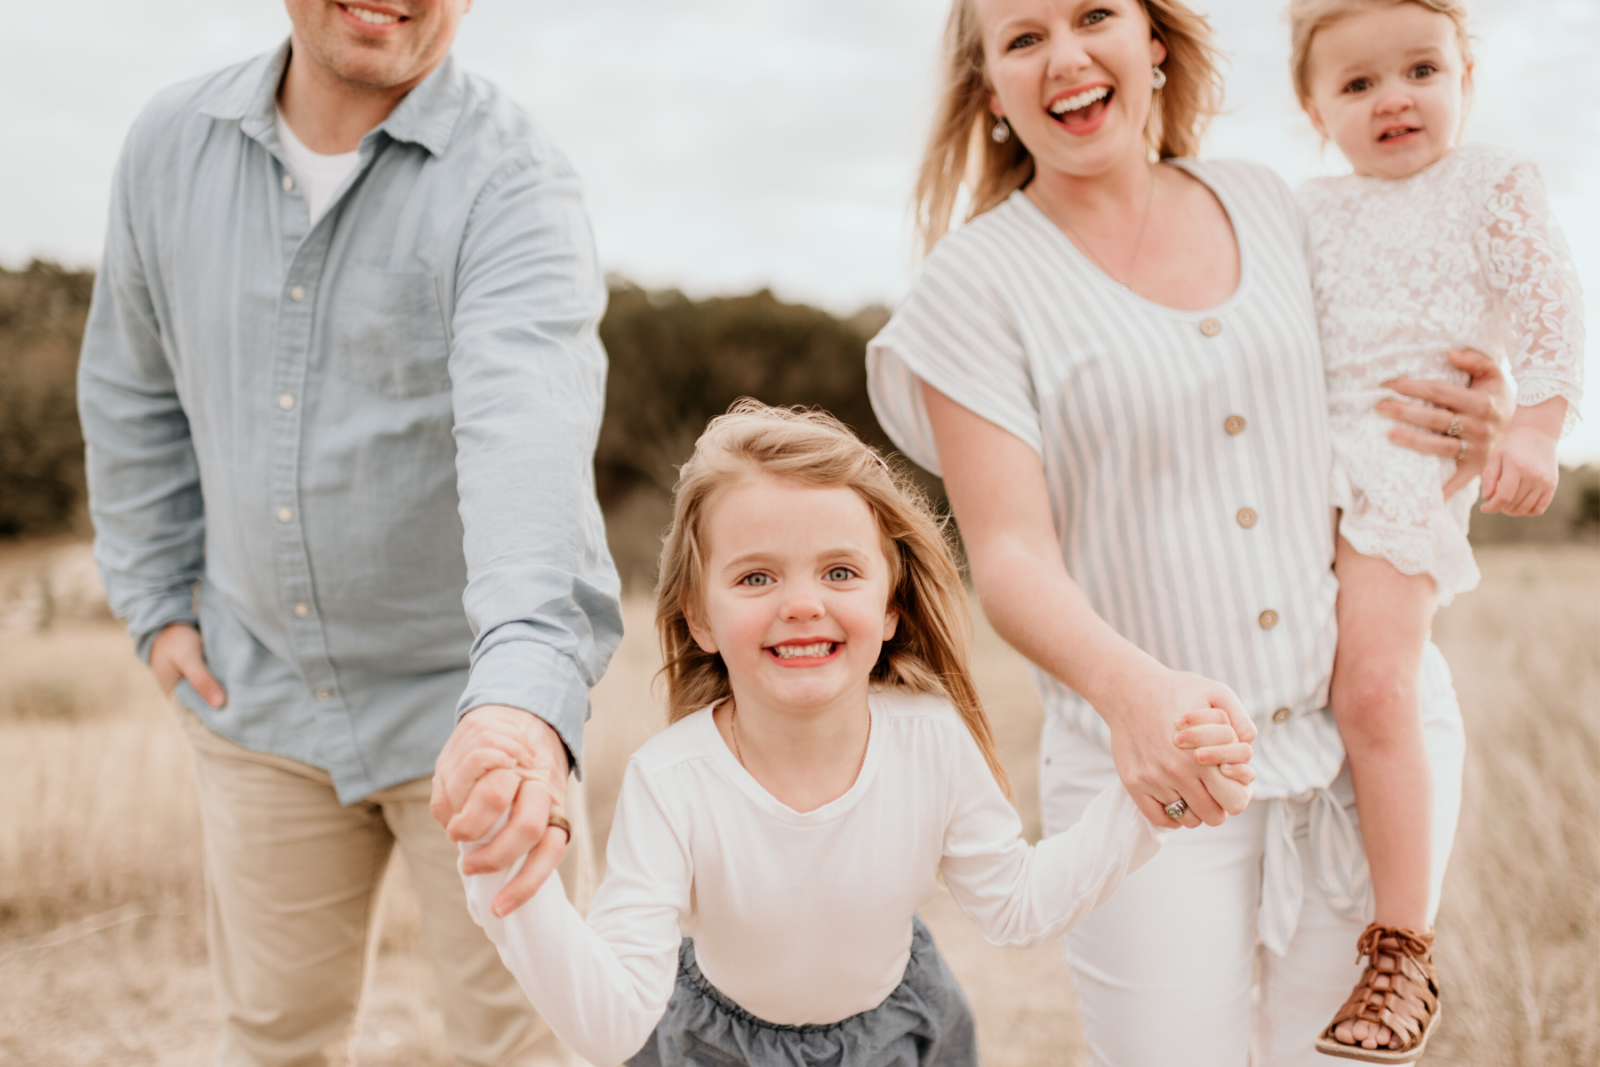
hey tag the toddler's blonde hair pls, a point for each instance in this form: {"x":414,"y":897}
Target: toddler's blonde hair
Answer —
{"x":960,"y":150}
{"x":929,"y":652}
{"x":1306,"y":17}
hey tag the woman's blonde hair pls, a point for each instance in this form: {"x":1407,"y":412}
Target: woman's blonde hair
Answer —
{"x":1306,"y":17}
{"x":929,"y":650}
{"x":960,"y":150}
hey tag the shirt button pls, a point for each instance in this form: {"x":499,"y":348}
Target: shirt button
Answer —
{"x":284,"y":514}
{"x":301,"y":611}
{"x":298,"y":293}
{"x":286,"y":401}
{"x":1234,"y":424}
{"x":1268,"y":619}
{"x":1281,"y":715}
{"x":1210,"y":327}
{"x":288,"y":183}
{"x":1247,"y":517}
{"x":323,"y":694}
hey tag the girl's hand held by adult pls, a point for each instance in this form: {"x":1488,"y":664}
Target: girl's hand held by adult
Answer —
{"x":1144,"y":714}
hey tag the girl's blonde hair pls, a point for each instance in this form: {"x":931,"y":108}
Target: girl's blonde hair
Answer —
{"x":1306,"y":17}
{"x":929,"y":650}
{"x":960,"y":150}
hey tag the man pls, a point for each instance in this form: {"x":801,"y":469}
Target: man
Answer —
{"x":342,"y":376}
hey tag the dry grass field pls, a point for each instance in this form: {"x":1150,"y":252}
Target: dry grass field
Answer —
{"x":102,"y":956}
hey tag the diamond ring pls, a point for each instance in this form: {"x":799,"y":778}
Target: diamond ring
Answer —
{"x":1454,"y":429}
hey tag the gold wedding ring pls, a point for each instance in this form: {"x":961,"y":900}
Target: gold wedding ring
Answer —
{"x":561,"y":824}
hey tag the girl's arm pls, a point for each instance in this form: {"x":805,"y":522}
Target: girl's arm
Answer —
{"x":1020,"y":895}
{"x":1039,"y":610}
{"x":601,"y":985}
{"x":1531,"y":268}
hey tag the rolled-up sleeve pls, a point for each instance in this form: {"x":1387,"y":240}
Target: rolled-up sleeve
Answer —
{"x":144,"y":482}
{"x":528,"y":379}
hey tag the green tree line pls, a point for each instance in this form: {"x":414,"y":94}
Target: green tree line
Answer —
{"x":675,"y":363}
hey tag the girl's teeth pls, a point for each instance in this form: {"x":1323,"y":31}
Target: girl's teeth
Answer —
{"x":377,"y":18}
{"x":821,"y":648}
{"x":1083,"y":99}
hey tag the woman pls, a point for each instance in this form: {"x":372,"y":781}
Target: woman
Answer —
{"x":1115,"y":367}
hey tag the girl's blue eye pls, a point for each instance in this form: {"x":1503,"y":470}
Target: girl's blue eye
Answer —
{"x":840,"y":574}
{"x":756,"y":579}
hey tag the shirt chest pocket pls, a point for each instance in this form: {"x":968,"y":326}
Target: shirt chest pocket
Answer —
{"x":388,"y":333}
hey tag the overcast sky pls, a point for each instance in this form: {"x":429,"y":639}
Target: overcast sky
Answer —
{"x":731,"y":144}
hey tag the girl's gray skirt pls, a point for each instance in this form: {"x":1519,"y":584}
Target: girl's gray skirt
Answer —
{"x":925,"y":1022}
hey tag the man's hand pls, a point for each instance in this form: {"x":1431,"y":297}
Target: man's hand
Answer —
{"x":503,"y":760}
{"x":177,"y":652}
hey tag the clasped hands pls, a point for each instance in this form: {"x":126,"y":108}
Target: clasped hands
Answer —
{"x":503,"y":761}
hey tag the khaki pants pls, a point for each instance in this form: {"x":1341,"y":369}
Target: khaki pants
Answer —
{"x":292,"y":881}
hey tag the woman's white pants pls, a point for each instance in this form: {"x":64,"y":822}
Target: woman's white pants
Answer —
{"x":1167,"y":970}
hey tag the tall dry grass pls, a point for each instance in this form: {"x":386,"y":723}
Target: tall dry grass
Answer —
{"x":101,"y":937}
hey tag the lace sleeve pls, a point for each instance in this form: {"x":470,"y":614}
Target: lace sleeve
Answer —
{"x":1530,"y":266}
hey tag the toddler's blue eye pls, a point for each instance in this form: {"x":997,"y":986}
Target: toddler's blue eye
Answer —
{"x":840,"y":574}
{"x":756,"y":579}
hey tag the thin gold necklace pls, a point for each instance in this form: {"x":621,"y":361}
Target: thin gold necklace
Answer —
{"x":733,"y":731}
{"x":1150,"y":198}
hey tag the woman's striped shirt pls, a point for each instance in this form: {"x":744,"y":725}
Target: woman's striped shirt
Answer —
{"x":1186,"y":453}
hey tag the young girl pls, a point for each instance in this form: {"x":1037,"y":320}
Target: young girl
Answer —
{"x":1426,"y":248}
{"x":827,"y":760}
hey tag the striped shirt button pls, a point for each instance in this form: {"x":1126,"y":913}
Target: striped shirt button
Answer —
{"x":286,"y":401}
{"x":301,"y":611}
{"x":1281,"y":715}
{"x":1210,"y":327}
{"x":298,"y":293}
{"x":288,"y":183}
{"x":1234,"y":424}
{"x":324,"y":694}
{"x":1268,"y":619}
{"x":1247,"y":517}
{"x":284,"y":514}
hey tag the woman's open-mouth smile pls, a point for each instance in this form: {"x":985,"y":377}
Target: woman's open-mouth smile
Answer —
{"x":1082,"y":110}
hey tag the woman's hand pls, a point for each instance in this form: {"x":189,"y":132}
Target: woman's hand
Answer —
{"x":1147,"y":718}
{"x":1484,"y":407}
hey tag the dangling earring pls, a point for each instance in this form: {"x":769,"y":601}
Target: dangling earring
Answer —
{"x":1001,"y":132}
{"x":1158,"y":78}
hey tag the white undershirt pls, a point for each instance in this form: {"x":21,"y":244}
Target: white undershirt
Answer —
{"x":798,"y":917}
{"x":317,"y":176}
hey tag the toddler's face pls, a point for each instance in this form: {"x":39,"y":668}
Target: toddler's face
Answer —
{"x":796,"y":593}
{"x":1388,"y":85}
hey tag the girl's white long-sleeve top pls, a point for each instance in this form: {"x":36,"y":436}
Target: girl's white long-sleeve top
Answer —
{"x":798,"y":917}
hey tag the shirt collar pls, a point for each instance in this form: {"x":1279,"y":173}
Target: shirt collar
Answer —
{"x":426,"y":116}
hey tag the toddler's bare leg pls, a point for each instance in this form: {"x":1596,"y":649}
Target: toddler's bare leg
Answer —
{"x":1384,"y":617}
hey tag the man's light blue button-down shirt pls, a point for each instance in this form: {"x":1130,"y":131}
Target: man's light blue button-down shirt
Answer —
{"x":369,"y":440}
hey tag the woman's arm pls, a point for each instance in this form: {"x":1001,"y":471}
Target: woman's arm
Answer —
{"x":997,"y":488}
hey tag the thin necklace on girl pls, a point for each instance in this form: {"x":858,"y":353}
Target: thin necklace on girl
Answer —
{"x":733,"y":731}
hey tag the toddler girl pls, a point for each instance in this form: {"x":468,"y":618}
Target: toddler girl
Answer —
{"x":1426,"y":248}
{"x":827,"y":760}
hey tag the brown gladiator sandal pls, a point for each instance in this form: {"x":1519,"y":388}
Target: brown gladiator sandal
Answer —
{"x":1399,"y":989}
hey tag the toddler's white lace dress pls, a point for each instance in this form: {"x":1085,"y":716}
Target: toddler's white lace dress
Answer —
{"x":1462,"y":254}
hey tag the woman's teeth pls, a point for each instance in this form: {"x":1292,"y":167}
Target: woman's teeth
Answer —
{"x":1081,"y":100}
{"x":377,"y":18}
{"x":821,"y":648}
